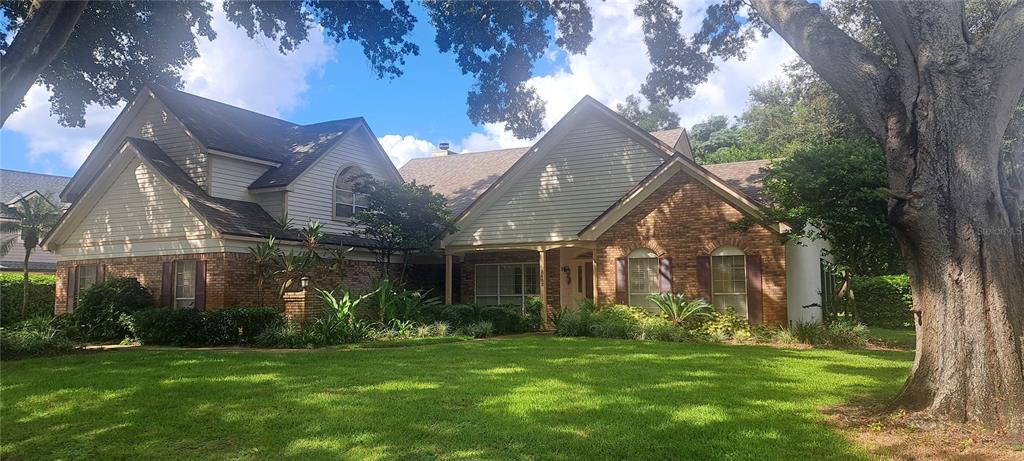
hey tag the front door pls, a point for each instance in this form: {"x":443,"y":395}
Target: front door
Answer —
{"x":582,"y":284}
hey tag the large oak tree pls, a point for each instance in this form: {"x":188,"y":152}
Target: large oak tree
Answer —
{"x":936,"y":83}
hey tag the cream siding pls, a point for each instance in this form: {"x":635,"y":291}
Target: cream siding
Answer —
{"x":230,"y":178}
{"x":155,"y":123}
{"x":139,"y":207}
{"x":273,"y":202}
{"x":16,"y":256}
{"x":557,"y":196}
{"x":312,"y":196}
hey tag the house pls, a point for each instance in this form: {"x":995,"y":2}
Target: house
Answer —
{"x":600,"y":209}
{"x":180,"y":187}
{"x":15,"y":187}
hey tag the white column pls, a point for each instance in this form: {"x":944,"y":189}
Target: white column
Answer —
{"x":542,"y":273}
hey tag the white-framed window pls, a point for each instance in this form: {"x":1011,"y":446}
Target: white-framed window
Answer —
{"x":86,"y":275}
{"x":729,"y":280}
{"x":642,"y":270}
{"x":501,"y":284}
{"x":184,"y":284}
{"x":346,"y":200}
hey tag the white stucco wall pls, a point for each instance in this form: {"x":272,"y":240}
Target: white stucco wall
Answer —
{"x":803,"y":280}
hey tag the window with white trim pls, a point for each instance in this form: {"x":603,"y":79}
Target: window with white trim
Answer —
{"x":184,"y":284}
{"x":501,"y":284}
{"x":86,"y":275}
{"x":729,"y":280}
{"x":642,"y":267}
{"x":346,"y":200}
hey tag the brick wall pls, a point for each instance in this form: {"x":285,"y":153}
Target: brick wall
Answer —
{"x":229,"y":278}
{"x":685,"y":219}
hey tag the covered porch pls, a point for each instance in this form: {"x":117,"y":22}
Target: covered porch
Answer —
{"x":559,"y":275}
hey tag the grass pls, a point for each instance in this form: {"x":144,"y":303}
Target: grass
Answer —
{"x":900,"y":339}
{"x":521,"y":398}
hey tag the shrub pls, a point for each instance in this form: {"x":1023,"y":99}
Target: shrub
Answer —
{"x":615,"y":321}
{"x":238,"y":325}
{"x":481,"y":329}
{"x":836,"y":334}
{"x":506,"y":319}
{"x":35,"y":337}
{"x":884,"y":301}
{"x":169,"y":327}
{"x":99,"y":310}
{"x":572,"y":322}
{"x":678,"y":310}
{"x":726,"y":325}
{"x":659,"y":329}
{"x":285,"y":335}
{"x":459,"y":314}
{"x":41,"y":292}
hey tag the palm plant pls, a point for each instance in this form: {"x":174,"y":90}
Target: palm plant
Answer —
{"x":34,"y":217}
{"x":293,"y":266}
{"x":677,"y":309}
{"x":339,"y":321}
{"x":264,"y":257}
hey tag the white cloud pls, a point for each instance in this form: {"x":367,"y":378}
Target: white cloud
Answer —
{"x":616,"y":65}
{"x":234,"y":69}
{"x":403,"y":148}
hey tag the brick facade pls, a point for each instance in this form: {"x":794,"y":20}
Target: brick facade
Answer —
{"x":685,"y":219}
{"x":229,"y":278}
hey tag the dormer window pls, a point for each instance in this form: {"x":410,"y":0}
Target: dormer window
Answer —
{"x":346,"y":200}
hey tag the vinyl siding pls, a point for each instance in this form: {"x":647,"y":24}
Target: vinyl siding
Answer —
{"x":576,"y":181}
{"x":16,"y":256}
{"x":273,"y":202}
{"x":138,"y":207}
{"x":154,"y":123}
{"x":230,"y":178}
{"x":313,"y":194}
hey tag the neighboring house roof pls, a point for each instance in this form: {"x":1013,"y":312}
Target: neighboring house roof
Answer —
{"x":461,"y":178}
{"x":16,"y":184}
{"x":33,"y":266}
{"x":231,"y":217}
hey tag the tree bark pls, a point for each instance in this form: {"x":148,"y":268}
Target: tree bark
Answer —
{"x":37,"y":43}
{"x":24,"y":284}
{"x":941,"y":116}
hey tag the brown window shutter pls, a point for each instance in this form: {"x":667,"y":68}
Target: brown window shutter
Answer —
{"x":72,"y":289}
{"x":201,"y":284}
{"x":101,"y":273}
{"x":665,"y":275}
{"x":704,"y":277}
{"x":621,"y":282}
{"x":167,"y":285}
{"x":754,"y":289}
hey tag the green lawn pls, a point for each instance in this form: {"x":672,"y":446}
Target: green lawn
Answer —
{"x":523,"y":398}
{"x":901,"y":339}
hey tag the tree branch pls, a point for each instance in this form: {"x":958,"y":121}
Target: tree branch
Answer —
{"x":858,"y":75}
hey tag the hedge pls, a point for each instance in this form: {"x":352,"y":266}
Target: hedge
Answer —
{"x":884,"y":301}
{"x":191,"y":327}
{"x":41,"y":292}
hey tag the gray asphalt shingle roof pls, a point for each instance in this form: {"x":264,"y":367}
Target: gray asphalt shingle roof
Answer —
{"x":15,"y":183}
{"x":243,"y":132}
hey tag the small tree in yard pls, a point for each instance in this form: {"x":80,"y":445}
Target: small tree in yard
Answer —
{"x":265,"y":257}
{"x":34,"y":217}
{"x":401,"y":218}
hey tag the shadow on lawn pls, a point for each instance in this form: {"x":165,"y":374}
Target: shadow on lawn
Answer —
{"x":526,"y":398}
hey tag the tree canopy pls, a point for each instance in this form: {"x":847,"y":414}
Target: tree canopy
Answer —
{"x":657,"y":116}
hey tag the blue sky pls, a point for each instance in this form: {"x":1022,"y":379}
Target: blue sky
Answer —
{"x":323,"y":81}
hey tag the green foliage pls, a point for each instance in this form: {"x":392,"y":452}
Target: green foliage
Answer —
{"x":503,"y":319}
{"x":35,"y":337}
{"x":837,"y":333}
{"x":678,"y":310}
{"x":339,"y":323}
{"x":100,"y":309}
{"x":41,"y":292}
{"x":659,"y":329}
{"x":834,"y":192}
{"x":727,"y":325}
{"x":264,"y":257}
{"x":392,"y":302}
{"x":168,"y":327}
{"x":286,"y":336}
{"x":657,"y":116}
{"x":479,"y":329}
{"x":29,"y":218}
{"x":884,"y":301}
{"x":191,"y":327}
{"x":401,"y":217}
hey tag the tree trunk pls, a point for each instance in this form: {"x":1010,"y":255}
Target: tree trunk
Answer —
{"x":960,"y":231}
{"x":36,"y":44}
{"x":24,"y":284}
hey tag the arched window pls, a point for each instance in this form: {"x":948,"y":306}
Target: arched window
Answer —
{"x":346,"y":200}
{"x":643,"y":277}
{"x":729,"y":279}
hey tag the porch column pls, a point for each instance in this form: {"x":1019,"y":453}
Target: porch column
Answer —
{"x":594,"y":275}
{"x":542,"y":273}
{"x":448,"y":278}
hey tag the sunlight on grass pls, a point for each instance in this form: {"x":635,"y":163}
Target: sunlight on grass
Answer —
{"x":523,"y":398}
